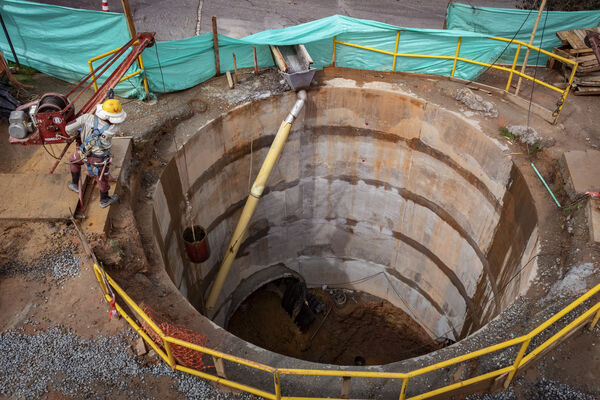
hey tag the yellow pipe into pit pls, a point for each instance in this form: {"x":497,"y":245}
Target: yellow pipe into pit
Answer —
{"x":255,"y":194}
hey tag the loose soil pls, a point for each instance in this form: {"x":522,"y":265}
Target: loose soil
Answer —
{"x":364,"y":326}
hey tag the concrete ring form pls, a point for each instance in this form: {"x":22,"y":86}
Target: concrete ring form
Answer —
{"x":373,"y":182}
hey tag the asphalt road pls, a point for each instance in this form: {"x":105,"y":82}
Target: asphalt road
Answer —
{"x":177,"y":19}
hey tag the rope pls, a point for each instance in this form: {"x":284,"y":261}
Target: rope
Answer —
{"x":160,"y":68}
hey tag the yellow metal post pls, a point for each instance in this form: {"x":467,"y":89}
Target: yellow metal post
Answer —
{"x":563,"y":98}
{"x":456,"y":56}
{"x":333,"y":55}
{"x":396,"y":51}
{"x":512,"y":70}
{"x":255,"y":194}
{"x":403,"y":390}
{"x":93,"y":75}
{"x":512,"y":373}
{"x":145,"y":80}
{"x":169,"y":352}
{"x":595,"y":320}
{"x":277,"y":386}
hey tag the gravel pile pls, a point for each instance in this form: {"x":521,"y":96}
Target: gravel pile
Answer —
{"x":507,"y":395}
{"x":542,"y":390}
{"x":59,"y":266}
{"x":57,"y":360}
{"x":550,"y":390}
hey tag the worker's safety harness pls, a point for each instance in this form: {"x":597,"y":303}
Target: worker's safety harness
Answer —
{"x":94,"y":168}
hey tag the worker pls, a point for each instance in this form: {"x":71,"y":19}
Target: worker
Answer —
{"x":96,"y":136}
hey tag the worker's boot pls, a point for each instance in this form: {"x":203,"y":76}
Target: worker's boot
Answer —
{"x":106,"y":200}
{"x":74,"y":184}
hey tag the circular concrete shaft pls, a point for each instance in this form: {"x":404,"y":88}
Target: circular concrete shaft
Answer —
{"x":376,"y":190}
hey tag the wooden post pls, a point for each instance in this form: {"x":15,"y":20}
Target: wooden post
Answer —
{"x":229,"y":79}
{"x":216,"y":45}
{"x":128,"y":18}
{"x":133,"y":33}
{"x":235,"y":74}
{"x":537,"y":21}
{"x":219,"y":366}
{"x":255,"y":62}
{"x":345,"y":387}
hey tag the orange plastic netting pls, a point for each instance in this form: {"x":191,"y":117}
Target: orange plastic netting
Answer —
{"x":183,"y":356}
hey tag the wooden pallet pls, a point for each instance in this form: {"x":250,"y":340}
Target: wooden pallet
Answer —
{"x":588,"y":84}
{"x":575,"y":37}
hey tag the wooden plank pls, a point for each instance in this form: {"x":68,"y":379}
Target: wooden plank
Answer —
{"x":304,"y":52}
{"x":591,"y":79}
{"x":279,"y":59}
{"x":586,"y":59}
{"x":586,"y":91}
{"x":561,"y":51}
{"x":575,"y":52}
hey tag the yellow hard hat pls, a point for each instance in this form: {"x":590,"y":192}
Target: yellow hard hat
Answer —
{"x":112,"y":111}
{"x":112,"y":106}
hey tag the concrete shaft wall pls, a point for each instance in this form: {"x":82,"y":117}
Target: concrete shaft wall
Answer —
{"x":375,"y":190}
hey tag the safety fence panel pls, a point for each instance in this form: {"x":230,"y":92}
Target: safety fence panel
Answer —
{"x":506,"y":22}
{"x":156,"y":334}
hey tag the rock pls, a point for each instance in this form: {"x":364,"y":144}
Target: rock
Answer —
{"x":477,"y":103}
{"x":140,"y":347}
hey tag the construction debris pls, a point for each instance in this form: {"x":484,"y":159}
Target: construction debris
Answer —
{"x":477,"y":103}
{"x":528,"y":135}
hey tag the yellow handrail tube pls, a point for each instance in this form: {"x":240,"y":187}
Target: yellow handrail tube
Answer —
{"x":255,"y":194}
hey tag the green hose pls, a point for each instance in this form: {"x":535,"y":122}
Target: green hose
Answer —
{"x":545,"y":184}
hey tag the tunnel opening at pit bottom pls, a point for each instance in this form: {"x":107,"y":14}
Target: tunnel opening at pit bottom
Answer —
{"x":329,"y":325}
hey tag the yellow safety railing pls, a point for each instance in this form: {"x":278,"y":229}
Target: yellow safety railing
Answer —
{"x":591,"y":315}
{"x":456,"y":58}
{"x":108,"y":53}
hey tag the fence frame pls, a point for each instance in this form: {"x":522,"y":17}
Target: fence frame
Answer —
{"x":139,"y":71}
{"x":512,"y":70}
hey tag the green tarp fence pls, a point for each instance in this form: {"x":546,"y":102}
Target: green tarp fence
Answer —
{"x":59,"y":41}
{"x":187,"y":62}
{"x":506,"y":22}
